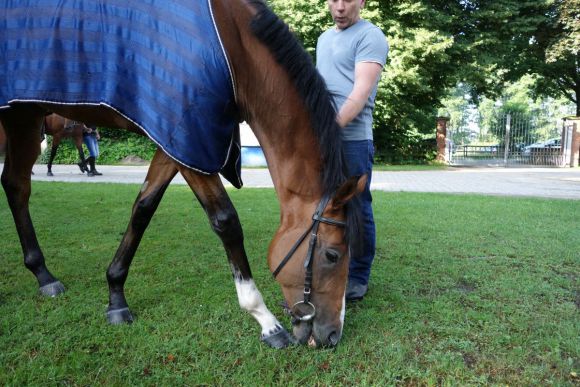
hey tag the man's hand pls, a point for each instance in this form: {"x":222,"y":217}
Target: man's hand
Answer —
{"x":366,"y":75}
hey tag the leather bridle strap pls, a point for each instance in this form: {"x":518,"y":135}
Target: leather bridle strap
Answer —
{"x":317,"y":218}
{"x":292,"y":251}
{"x":308,"y":263}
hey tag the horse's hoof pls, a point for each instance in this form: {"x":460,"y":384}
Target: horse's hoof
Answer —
{"x":49,"y":173}
{"x":279,"y":338}
{"x":119,"y":316}
{"x":52,"y":290}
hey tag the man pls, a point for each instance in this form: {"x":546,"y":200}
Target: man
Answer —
{"x":91,"y":139}
{"x":350,"y":56}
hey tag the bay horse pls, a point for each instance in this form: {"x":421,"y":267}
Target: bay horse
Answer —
{"x":285,"y":101}
{"x":59,"y":128}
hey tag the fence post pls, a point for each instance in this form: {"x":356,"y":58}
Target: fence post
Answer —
{"x":575,"y":152}
{"x":441,"y":137}
{"x":508,"y":127}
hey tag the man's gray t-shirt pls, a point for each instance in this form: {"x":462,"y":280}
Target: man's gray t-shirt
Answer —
{"x":337,"y":53}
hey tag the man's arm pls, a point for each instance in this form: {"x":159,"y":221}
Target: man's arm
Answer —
{"x":366,"y":75}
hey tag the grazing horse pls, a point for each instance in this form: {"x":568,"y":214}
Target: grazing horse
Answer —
{"x":2,"y":139}
{"x":275,"y":88}
{"x":59,"y":127}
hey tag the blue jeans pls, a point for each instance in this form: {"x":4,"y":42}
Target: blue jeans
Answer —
{"x":92,"y":144}
{"x":359,"y":159}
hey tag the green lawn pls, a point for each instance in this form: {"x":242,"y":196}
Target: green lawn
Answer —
{"x":466,"y":290}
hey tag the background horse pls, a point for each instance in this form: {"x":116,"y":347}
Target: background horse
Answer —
{"x":59,"y":127}
{"x":280,"y":94}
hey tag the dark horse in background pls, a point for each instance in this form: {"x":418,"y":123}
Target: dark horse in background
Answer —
{"x":285,"y":101}
{"x":59,"y":128}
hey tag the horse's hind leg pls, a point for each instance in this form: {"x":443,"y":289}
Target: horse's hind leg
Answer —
{"x":225,"y":223}
{"x":22,"y":127}
{"x":160,"y":174}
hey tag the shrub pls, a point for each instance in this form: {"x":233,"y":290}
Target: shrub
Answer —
{"x":114,"y":146}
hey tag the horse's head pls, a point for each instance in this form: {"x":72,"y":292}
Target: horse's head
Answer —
{"x":311,"y":265}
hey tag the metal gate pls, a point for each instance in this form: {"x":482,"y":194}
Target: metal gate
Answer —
{"x":510,"y":139}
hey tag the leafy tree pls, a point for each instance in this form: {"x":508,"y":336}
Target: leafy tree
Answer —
{"x":415,"y":80}
{"x":512,"y":38}
{"x":554,"y":52}
{"x":460,"y":110}
{"x":484,"y":45}
{"x":416,"y":75}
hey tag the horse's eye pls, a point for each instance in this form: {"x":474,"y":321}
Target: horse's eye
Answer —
{"x":332,"y":256}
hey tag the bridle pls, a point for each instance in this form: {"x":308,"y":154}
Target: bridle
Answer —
{"x":305,"y":310}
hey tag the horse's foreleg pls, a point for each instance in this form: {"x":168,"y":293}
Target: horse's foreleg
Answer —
{"x":79,"y":145}
{"x":22,"y":127}
{"x":226,"y":224}
{"x":160,"y":174}
{"x":53,"y":150}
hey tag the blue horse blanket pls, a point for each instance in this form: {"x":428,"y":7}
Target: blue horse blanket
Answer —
{"x":158,"y":63}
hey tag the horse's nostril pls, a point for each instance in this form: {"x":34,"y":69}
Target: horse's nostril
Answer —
{"x":333,"y":339}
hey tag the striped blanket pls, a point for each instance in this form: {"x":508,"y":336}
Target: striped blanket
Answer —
{"x":159,"y":63}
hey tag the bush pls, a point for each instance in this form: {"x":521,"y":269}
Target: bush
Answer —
{"x":414,"y":150}
{"x":114,"y":146}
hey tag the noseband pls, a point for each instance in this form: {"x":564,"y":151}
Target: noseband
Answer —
{"x":305,"y":310}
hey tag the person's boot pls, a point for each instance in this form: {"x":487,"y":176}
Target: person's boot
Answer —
{"x":355,"y":291}
{"x":93,"y":171}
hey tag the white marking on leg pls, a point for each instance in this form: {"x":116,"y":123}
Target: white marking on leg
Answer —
{"x":251,"y":300}
{"x":343,"y":311}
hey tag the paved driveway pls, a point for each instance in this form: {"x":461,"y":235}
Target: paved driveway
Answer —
{"x":538,"y":182}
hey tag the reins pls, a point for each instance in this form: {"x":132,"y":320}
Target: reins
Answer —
{"x":305,"y":310}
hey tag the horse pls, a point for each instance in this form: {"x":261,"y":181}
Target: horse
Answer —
{"x":59,"y":127}
{"x":2,"y":140}
{"x":279,"y":93}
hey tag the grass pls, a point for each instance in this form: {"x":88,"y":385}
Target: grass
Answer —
{"x":466,"y":290}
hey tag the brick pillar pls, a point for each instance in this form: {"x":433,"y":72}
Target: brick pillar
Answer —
{"x":441,"y":136}
{"x":575,"y":153}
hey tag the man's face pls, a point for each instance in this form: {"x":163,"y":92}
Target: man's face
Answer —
{"x":345,"y":12}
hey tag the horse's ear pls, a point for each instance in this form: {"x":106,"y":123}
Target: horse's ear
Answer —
{"x":350,"y":188}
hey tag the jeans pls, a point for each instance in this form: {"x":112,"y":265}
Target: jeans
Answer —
{"x":359,"y":159}
{"x":92,"y":144}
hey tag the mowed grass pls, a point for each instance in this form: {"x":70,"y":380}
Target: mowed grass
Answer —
{"x":466,"y":290}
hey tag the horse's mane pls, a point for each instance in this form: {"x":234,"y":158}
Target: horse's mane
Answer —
{"x":290,"y":54}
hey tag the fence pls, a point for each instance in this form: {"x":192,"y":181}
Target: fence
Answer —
{"x":510,"y":139}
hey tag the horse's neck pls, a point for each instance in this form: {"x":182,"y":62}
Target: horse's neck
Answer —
{"x":270,"y":103}
{"x":290,"y":148}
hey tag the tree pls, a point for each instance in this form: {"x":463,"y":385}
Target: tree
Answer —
{"x":568,"y":40}
{"x":418,"y":70}
{"x":512,"y":38}
{"x":416,"y":78}
{"x":484,"y":45}
{"x":555,"y":52}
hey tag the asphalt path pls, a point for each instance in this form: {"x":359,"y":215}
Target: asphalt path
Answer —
{"x":563,"y":183}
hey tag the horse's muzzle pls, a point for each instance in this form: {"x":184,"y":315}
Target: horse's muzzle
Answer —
{"x":315,"y":335}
